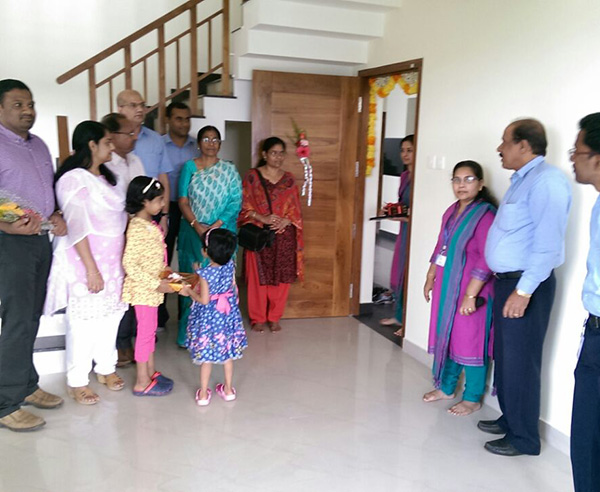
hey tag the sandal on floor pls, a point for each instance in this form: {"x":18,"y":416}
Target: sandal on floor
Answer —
{"x":389,"y":322}
{"x":220,"y":389}
{"x":203,"y":403}
{"x":258,"y":327}
{"x":154,"y":389}
{"x":112,"y":381}
{"x":275,"y":326}
{"x":83,"y":395}
{"x":161,"y":378}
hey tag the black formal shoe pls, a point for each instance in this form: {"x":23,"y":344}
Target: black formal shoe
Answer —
{"x":490,"y":426}
{"x":502,"y":447}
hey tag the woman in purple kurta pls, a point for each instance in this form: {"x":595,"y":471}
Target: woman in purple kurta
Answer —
{"x":460,"y":330}
{"x":398,"y":272}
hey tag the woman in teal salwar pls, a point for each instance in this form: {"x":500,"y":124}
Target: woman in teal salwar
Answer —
{"x":210,"y":195}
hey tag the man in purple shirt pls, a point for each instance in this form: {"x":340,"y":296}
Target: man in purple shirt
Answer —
{"x":25,"y":256}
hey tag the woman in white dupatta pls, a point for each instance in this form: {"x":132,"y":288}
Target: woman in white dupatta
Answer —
{"x":87,"y":274}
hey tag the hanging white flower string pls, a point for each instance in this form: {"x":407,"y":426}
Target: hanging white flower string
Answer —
{"x":303,"y":153}
{"x":307,"y":186}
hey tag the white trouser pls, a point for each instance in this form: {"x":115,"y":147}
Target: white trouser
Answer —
{"x":91,"y":340}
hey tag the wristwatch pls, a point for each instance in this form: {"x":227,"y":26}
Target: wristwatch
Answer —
{"x":522,"y":293}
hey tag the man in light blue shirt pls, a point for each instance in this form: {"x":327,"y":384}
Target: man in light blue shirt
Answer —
{"x":150,"y":147}
{"x":524,"y":245}
{"x":585,"y":423}
{"x":181,"y":147}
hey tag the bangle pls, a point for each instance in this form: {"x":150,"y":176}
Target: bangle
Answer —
{"x":522,"y":293}
{"x":192,"y":223}
{"x":470,"y":297}
{"x":93,"y":273}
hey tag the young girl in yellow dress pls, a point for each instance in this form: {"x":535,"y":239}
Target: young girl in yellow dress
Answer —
{"x":144,"y":260}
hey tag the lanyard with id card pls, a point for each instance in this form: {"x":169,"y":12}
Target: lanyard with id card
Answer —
{"x":440,"y":259}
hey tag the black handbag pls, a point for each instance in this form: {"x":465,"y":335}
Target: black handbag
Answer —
{"x":253,"y":237}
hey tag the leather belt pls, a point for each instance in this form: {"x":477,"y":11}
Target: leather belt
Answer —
{"x":593,"y":324}
{"x":506,"y":275}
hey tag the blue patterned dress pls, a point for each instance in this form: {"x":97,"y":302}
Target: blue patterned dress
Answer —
{"x":215,"y":331}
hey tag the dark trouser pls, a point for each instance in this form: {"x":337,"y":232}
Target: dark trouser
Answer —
{"x":585,"y":424}
{"x":24,"y":268}
{"x":127,"y":330}
{"x":174,"y":221}
{"x":518,"y":346}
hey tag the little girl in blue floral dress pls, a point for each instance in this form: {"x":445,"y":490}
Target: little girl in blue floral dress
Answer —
{"x":215,"y":332}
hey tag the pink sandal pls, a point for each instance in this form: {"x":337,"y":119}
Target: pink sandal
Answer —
{"x":203,"y":403}
{"x":220,"y":389}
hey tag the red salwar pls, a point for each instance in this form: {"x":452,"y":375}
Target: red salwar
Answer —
{"x":265,"y":302}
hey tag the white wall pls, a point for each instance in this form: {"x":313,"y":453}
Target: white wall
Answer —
{"x":485,"y":64}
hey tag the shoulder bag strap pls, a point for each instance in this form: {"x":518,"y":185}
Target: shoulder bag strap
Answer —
{"x":264,"y":184}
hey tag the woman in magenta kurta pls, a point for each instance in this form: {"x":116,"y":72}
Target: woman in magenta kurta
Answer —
{"x":460,"y":330}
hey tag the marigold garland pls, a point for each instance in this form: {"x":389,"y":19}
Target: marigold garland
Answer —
{"x":382,"y":86}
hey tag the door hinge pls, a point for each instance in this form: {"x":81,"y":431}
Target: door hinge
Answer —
{"x":353,"y":231}
{"x":351,"y":291}
{"x":356,"y":169}
{"x":360,"y":104}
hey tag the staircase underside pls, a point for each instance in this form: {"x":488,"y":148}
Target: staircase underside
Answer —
{"x":328,"y":37}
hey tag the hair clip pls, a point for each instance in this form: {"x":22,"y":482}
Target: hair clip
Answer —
{"x":206,"y":237}
{"x":152,"y":181}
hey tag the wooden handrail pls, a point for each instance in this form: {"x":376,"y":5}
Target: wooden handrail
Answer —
{"x":90,"y":62}
{"x":160,"y":51}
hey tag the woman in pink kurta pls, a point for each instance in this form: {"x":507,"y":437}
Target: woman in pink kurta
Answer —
{"x":460,"y":330}
{"x":87,"y":274}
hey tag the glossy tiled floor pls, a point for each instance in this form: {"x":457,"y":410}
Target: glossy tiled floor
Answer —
{"x":326,"y":405}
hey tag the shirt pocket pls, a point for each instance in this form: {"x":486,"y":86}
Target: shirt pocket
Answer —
{"x":513,"y":216}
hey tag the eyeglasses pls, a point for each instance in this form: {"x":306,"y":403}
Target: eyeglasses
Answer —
{"x":275,"y":153}
{"x":573,"y":152}
{"x":131,"y":134}
{"x":207,"y":140}
{"x":140,"y":105}
{"x":467,"y":180}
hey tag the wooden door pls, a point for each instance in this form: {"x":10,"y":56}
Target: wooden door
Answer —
{"x":327,"y":108}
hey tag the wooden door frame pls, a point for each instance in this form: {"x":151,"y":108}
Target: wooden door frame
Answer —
{"x":365,"y":75}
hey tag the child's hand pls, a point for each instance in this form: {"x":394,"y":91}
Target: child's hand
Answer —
{"x":164,"y":287}
{"x":186,"y":291}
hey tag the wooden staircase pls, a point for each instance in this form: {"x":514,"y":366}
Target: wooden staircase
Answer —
{"x":162,"y":53}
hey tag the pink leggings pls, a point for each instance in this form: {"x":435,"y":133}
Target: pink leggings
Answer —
{"x":147,"y":321}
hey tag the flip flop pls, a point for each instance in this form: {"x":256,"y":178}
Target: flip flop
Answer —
{"x":164,"y":380}
{"x":220,"y":389}
{"x":154,"y":389}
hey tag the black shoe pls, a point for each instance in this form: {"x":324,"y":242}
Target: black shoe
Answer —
{"x":502,"y":447}
{"x":491,"y":427}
